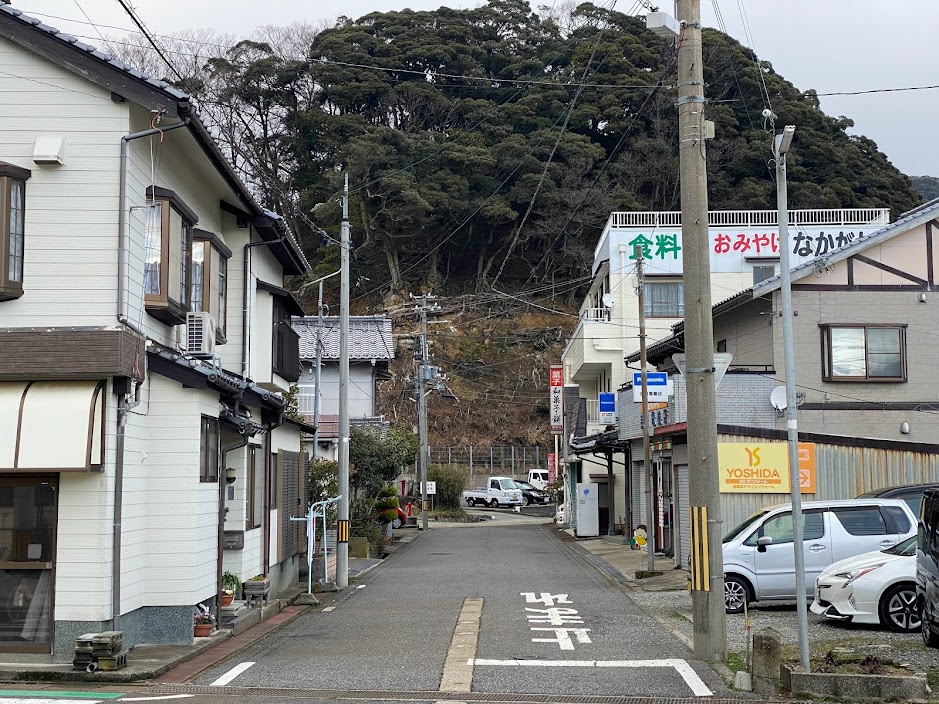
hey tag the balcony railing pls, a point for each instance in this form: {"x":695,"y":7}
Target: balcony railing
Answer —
{"x":749,"y":218}
{"x":596,"y":314}
{"x":593,"y":410}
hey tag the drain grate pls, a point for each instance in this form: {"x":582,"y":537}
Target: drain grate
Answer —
{"x":430,"y":696}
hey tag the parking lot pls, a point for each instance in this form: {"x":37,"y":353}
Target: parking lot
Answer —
{"x":674,"y":609}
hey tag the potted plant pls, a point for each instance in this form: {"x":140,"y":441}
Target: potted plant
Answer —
{"x":259,"y":584}
{"x":230,"y":584}
{"x":202,"y":624}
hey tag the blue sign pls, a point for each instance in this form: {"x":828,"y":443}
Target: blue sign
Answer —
{"x":652,"y":378}
{"x":607,"y":402}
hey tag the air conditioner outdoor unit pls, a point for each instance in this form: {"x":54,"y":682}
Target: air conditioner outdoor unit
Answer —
{"x":200,"y":334}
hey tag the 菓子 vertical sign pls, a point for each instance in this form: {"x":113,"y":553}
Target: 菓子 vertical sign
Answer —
{"x":556,"y":381}
{"x":763,"y":467}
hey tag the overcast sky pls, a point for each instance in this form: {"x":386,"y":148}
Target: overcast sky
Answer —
{"x":828,"y":45}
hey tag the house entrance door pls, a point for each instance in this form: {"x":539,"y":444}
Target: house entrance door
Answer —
{"x":28,"y":513}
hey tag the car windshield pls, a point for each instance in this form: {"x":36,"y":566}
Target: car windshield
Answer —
{"x":905,"y":549}
{"x":525,"y":485}
{"x":743,"y":526}
{"x":509,"y":484}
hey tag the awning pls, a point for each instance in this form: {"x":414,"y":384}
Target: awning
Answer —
{"x":287,"y":299}
{"x":51,"y":426}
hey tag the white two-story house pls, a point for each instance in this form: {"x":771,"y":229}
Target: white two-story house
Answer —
{"x":145,"y":343}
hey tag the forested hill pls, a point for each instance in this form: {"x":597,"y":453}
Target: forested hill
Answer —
{"x":486,"y":147}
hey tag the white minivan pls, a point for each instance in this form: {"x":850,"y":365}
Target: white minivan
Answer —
{"x":759,"y":563}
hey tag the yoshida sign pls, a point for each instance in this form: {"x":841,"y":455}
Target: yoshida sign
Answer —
{"x":763,"y":468}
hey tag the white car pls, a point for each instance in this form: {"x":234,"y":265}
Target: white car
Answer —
{"x":876,"y":587}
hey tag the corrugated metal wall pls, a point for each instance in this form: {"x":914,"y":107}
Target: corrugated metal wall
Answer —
{"x":840,"y":473}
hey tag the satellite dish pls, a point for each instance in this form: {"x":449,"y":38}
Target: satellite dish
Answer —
{"x":607,"y":300}
{"x":778,"y":398}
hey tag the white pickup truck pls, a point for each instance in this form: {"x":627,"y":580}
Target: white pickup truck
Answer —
{"x":499,"y":491}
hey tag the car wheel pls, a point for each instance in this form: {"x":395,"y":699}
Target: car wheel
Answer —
{"x":930,"y":639}
{"x":525,"y":501}
{"x":494,"y":503}
{"x":471,"y":502}
{"x":898,"y":610}
{"x":736,"y":594}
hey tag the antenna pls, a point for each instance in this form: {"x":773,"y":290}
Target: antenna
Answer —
{"x":778,"y":398}
{"x":608,"y":300}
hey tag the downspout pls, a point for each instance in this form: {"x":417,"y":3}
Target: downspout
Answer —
{"x":245,"y":348}
{"x":268,"y":469}
{"x":122,"y":398}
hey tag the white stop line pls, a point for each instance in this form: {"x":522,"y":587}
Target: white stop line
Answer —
{"x":681,"y":666}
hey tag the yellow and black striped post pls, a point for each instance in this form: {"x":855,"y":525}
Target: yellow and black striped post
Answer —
{"x":699,"y":549}
{"x":342,"y":531}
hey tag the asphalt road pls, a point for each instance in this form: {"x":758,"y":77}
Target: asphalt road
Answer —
{"x":549,"y":625}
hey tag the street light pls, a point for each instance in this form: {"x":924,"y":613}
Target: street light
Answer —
{"x":781,"y":143}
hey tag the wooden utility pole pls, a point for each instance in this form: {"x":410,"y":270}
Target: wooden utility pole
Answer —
{"x":707,"y":595}
{"x":646,"y":446}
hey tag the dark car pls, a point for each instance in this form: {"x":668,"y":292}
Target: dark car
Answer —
{"x":531,"y":495}
{"x":911,"y":493}
{"x":927,"y":568}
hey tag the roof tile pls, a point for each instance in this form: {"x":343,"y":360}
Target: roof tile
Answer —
{"x":369,"y":337}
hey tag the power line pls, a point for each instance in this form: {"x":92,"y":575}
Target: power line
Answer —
{"x":143,"y":30}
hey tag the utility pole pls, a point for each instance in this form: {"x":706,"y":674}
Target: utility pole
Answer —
{"x":781,"y":142}
{"x":342,"y":532}
{"x":318,"y":374}
{"x":646,"y":447}
{"x":425,"y":372}
{"x":710,"y":635}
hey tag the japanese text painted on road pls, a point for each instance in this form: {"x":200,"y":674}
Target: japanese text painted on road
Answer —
{"x":564,"y":623}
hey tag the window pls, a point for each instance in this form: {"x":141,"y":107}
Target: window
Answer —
{"x":863,"y":520}
{"x":286,"y":345}
{"x":210,"y":278}
{"x":168,"y":248}
{"x":12,"y":229}
{"x":721,"y":346}
{"x":665,"y":299}
{"x":868,"y":353}
{"x":779,"y":528}
{"x":255,"y":487}
{"x":208,"y":450}
{"x":761,"y":272}
{"x":900,"y":520}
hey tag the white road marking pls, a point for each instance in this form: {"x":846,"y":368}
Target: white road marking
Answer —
{"x":329,"y":608}
{"x":361,"y":586}
{"x":231,"y":674}
{"x":681,"y":667}
{"x":153,"y":699}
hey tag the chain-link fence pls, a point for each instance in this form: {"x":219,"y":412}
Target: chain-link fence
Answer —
{"x":485,"y":461}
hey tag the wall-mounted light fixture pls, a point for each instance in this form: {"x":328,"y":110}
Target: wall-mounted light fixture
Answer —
{"x":905,"y":428}
{"x":230,"y":475}
{"x":922,"y":298}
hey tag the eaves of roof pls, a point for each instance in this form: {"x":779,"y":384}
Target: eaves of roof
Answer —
{"x":151,"y":93}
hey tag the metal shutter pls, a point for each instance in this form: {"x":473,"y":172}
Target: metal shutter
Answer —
{"x":684,"y":515}
{"x":289,"y":470}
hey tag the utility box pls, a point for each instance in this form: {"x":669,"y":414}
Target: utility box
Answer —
{"x":663,"y":24}
{"x":588,"y":510}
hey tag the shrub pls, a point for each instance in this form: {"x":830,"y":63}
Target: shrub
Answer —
{"x":451,"y":481}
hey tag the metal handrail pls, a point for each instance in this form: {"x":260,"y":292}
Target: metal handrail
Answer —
{"x":751,"y":218}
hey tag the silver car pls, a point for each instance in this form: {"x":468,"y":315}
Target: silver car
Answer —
{"x":759,"y":561}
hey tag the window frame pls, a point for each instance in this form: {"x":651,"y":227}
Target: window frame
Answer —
{"x":208,"y":450}
{"x":763,"y":265}
{"x":650,"y":310}
{"x":11,"y":288}
{"x":162,"y":305}
{"x":254,"y":512}
{"x":214,"y":280}
{"x":828,"y":362}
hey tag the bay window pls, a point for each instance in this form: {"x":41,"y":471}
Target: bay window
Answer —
{"x":168,"y":246}
{"x":12,"y":229}
{"x":210,"y":279}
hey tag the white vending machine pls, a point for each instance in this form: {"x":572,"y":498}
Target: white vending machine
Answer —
{"x":588,"y":510}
